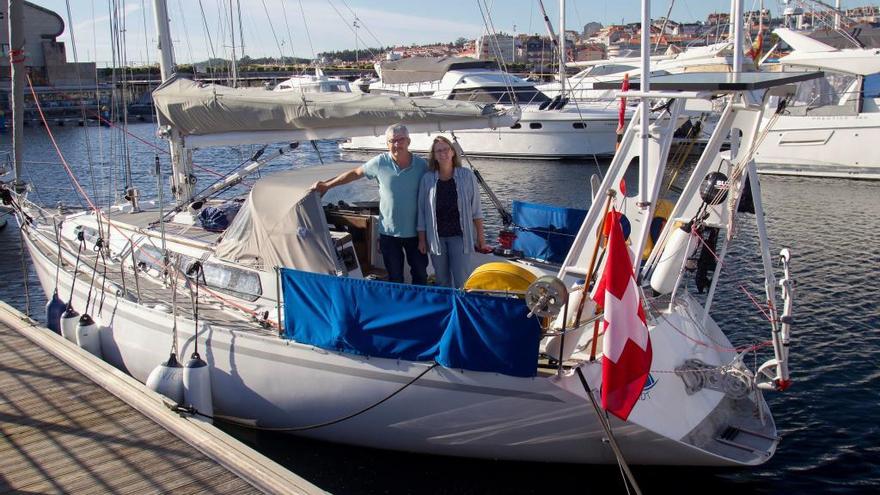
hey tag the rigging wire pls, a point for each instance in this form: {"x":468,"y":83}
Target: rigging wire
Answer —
{"x":306,"y":26}
{"x":490,"y":28}
{"x":185,"y":32}
{"x":163,"y":150}
{"x":289,"y":37}
{"x":363,"y":25}
{"x":349,"y":26}
{"x":82,"y":107}
{"x":211,"y":69}
{"x":240,"y":30}
{"x":272,"y":28}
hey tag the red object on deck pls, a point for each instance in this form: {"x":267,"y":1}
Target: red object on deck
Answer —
{"x":506,"y":238}
{"x":621,"y":114}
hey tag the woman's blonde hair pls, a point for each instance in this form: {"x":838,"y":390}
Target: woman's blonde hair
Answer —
{"x":433,"y":165}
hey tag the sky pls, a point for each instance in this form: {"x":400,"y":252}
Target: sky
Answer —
{"x":275,"y":27}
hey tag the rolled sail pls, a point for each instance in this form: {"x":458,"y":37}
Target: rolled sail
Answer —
{"x":215,"y":115}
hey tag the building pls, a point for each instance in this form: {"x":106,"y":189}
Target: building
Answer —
{"x":489,"y":47}
{"x":45,"y":58}
{"x":535,"y":50}
{"x":592,"y":28}
{"x":65,"y":90}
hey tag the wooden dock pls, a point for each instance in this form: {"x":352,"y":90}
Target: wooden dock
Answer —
{"x":70,"y":423}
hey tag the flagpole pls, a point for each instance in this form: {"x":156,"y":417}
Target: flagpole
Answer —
{"x":577,"y":319}
{"x":607,"y":427}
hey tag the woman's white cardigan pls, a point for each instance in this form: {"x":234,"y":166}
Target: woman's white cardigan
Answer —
{"x":469,"y":207}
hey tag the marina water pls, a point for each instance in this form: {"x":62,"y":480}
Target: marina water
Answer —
{"x":828,"y":418}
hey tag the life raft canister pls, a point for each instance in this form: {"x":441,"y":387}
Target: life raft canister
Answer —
{"x":500,"y":276}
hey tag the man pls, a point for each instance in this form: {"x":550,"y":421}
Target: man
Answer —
{"x":399,"y":173}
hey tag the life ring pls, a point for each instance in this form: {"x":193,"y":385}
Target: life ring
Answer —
{"x":661,"y":215}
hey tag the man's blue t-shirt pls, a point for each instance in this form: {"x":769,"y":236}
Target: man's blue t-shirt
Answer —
{"x":398,"y":193}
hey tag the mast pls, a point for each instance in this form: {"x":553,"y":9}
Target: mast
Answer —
{"x":644,"y":105}
{"x":232,"y":37}
{"x":737,"y":24}
{"x":182,"y":178}
{"x":16,"y":63}
{"x":837,"y":15}
{"x":562,"y":74}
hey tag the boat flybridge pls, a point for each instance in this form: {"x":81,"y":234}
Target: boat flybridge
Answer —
{"x":715,"y":57}
{"x":830,"y":125}
{"x":285,"y":312}
{"x":549,"y":128}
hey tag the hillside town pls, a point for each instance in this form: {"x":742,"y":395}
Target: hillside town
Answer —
{"x":597,"y":42}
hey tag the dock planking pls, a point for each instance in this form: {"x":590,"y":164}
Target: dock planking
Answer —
{"x":62,"y":432}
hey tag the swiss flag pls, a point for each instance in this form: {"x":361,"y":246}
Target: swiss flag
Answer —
{"x":627,"y":346}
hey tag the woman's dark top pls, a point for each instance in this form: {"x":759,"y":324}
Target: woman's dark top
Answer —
{"x":448,"y":223}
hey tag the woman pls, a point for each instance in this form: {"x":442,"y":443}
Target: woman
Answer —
{"x":450,"y":224}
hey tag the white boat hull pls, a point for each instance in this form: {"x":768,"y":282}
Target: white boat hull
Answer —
{"x":264,"y":381}
{"x":540,"y":135}
{"x":822,"y":146}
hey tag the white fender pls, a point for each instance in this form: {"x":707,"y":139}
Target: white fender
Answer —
{"x":88,"y":335}
{"x":69,"y":322}
{"x":674,"y":254}
{"x":197,"y":388}
{"x":167,"y":379}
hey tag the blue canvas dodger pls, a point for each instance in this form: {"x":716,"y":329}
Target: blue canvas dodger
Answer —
{"x":547,"y":232}
{"x":416,"y":323}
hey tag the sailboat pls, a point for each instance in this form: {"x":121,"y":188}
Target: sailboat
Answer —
{"x":294,"y":338}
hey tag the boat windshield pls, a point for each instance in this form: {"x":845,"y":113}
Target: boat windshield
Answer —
{"x":835,"y":88}
{"x":607,"y":70}
{"x":499,"y":94}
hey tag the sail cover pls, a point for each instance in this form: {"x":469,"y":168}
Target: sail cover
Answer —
{"x":456,"y":329}
{"x":282,"y":223}
{"x":211,"y":114}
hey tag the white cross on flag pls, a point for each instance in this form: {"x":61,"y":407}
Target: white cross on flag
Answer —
{"x":627,"y":347}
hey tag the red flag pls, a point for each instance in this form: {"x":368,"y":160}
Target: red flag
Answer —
{"x":757,"y":48}
{"x":626,"y":354}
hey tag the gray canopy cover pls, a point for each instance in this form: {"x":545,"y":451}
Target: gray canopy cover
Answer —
{"x":195,"y":109}
{"x":424,"y":69}
{"x":282,"y":224}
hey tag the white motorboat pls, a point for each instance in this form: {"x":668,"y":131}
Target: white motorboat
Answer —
{"x":353,"y":360}
{"x":545,"y":131}
{"x":830,"y":126}
{"x":317,"y":83}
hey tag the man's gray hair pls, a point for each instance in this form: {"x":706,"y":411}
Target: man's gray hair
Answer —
{"x":396,"y":130}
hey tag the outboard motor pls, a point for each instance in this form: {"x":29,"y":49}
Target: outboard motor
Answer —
{"x":714,"y":188}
